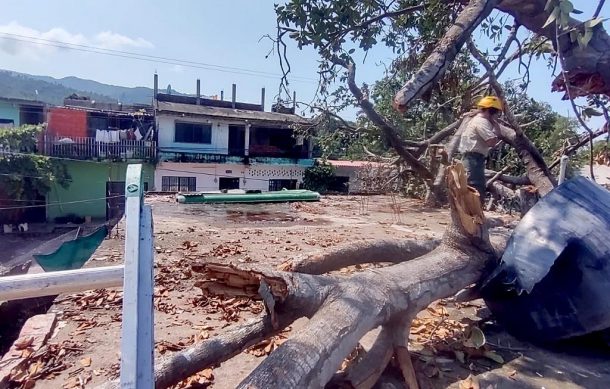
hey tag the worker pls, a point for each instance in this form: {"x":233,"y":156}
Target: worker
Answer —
{"x":478,"y":136}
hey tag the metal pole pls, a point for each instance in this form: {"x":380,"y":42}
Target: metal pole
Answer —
{"x":563,"y":165}
{"x":137,"y":339}
{"x":66,"y":281}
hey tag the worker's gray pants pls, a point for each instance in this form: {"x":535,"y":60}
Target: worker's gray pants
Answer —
{"x":474,"y":164}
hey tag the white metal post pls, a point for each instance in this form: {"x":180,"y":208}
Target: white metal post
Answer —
{"x":563,"y":165}
{"x":137,"y":336}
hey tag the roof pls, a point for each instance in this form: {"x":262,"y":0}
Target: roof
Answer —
{"x":338,"y":163}
{"x":230,"y":113}
{"x":22,"y":101}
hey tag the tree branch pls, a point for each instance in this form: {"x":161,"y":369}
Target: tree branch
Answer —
{"x":445,"y":52}
{"x":599,"y":9}
{"x":390,"y":132}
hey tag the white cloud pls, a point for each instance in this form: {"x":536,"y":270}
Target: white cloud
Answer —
{"x":34,"y":44}
{"x":177,"y":68}
{"x":112,"y":40}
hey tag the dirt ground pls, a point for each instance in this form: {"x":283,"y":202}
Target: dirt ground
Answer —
{"x":86,"y":343}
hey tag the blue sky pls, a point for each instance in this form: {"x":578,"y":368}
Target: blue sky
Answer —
{"x":225,"y":33}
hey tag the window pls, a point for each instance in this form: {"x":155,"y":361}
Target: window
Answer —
{"x":193,"y":133}
{"x":275,"y":185}
{"x":225,"y":183}
{"x":178,"y":184}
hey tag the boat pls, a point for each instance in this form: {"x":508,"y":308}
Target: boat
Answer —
{"x":282,"y":196}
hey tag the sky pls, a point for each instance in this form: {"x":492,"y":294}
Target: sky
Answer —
{"x":225,"y":39}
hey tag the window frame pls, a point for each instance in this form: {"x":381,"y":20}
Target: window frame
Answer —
{"x":203,"y":126}
{"x":178,"y":184}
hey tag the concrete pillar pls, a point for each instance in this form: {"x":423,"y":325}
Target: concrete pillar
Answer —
{"x":198,"y":91}
{"x":233,"y":95}
{"x":247,"y":140}
{"x":262,"y":99}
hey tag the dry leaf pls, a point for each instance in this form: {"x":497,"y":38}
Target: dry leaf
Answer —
{"x":469,"y":383}
{"x":86,"y":362}
{"x":207,"y":374}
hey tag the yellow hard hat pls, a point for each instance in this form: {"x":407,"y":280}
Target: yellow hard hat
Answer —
{"x":490,"y":102}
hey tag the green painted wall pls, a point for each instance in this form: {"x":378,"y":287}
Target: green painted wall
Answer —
{"x":89,"y":182}
{"x":9,"y":111}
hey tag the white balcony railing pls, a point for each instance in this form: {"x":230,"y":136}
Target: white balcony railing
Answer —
{"x":87,"y":148}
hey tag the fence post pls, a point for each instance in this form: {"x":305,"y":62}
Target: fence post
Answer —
{"x":563,"y":165}
{"x":137,"y":338}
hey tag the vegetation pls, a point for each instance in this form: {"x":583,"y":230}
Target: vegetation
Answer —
{"x":319,"y":177}
{"x":24,"y":175}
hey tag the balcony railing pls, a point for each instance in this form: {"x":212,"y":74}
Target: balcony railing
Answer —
{"x":87,"y":148}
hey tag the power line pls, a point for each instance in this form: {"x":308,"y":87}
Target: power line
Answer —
{"x":62,"y":203}
{"x":148,"y":58}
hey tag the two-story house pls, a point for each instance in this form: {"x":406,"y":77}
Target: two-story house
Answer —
{"x":209,"y":145}
{"x":96,"y":141}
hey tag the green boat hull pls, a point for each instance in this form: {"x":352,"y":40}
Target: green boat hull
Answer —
{"x":282,"y":196}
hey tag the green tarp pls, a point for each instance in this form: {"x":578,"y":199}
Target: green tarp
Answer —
{"x":72,"y":254}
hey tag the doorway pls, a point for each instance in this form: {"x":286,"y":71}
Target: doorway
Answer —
{"x":226,"y":183}
{"x":237,"y":138}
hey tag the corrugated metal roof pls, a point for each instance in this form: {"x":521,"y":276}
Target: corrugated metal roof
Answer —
{"x":230,"y":113}
{"x":338,"y":163}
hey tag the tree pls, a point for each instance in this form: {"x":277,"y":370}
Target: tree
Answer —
{"x":24,"y":175}
{"x":343,"y":309}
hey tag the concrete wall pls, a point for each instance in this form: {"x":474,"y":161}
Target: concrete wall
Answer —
{"x":256,"y":176}
{"x":220,"y":136}
{"x":89,"y":182}
{"x":10,"y":111}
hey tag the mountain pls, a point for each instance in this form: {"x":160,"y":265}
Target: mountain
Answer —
{"x":121,"y":94}
{"x":54,"y":90}
{"x":23,"y":86}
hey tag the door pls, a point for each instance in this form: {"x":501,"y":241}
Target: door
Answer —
{"x":115,"y":199}
{"x":228,"y":183}
{"x":237,"y":138}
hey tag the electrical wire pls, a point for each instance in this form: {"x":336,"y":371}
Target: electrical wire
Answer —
{"x":62,"y":203}
{"x":147,"y":58}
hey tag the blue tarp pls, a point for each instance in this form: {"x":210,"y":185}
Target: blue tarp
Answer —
{"x":553,"y":281}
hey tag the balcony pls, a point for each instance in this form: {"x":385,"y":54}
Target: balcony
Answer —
{"x":85,"y":148}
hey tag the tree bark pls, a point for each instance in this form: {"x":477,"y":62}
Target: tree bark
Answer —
{"x":588,"y":69}
{"x":445,"y":52}
{"x":354,"y":306}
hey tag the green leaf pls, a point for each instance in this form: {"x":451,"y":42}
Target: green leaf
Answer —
{"x":552,"y":17}
{"x":476,"y":338}
{"x":591,"y":112}
{"x":549,"y":5}
{"x":593,"y":22}
{"x":494,"y":356}
{"x":566,"y":6}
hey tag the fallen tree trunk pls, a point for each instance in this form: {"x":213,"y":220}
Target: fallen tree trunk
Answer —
{"x":343,"y":309}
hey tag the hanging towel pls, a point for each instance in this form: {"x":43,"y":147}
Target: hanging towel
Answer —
{"x":99,"y":135}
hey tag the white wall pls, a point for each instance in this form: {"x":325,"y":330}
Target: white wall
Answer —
{"x":220,"y":135}
{"x":256,"y":176}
